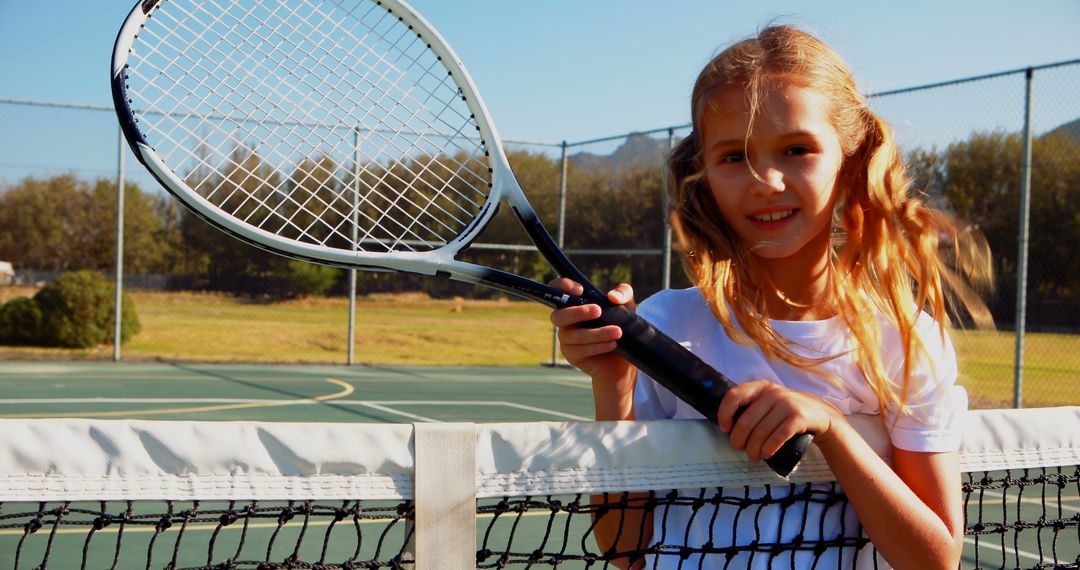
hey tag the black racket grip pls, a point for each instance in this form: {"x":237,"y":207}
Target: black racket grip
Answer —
{"x":687,"y":377}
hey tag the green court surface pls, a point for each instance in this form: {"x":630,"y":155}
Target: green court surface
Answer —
{"x":292,"y":393}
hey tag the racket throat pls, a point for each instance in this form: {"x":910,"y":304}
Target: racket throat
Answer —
{"x":551,"y":251}
{"x":506,"y":282}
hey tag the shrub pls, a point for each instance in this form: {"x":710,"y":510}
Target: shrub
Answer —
{"x":77,"y":311}
{"x":307,"y":279}
{"x":20,"y":322}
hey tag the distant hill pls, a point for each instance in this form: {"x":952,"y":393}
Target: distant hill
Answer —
{"x":637,"y":150}
{"x":1070,"y":129}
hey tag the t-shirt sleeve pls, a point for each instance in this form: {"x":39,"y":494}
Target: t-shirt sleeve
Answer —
{"x":937,"y":405}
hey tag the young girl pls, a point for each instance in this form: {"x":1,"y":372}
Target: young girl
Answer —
{"x":818,"y":289}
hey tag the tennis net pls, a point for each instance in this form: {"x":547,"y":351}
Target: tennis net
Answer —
{"x":244,"y":495}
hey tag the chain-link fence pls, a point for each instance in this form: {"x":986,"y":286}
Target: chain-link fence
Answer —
{"x":996,"y":150}
{"x":199,"y":291}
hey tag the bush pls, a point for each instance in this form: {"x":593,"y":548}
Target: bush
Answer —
{"x":74,"y":311}
{"x":20,"y":322}
{"x":307,"y":279}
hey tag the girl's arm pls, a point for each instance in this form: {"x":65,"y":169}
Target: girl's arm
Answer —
{"x":613,"y":379}
{"x":911,"y":511}
{"x":592,"y":351}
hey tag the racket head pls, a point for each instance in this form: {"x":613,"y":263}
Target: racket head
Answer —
{"x":344,"y":132}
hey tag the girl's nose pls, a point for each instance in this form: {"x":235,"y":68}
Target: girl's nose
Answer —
{"x":768,"y":180}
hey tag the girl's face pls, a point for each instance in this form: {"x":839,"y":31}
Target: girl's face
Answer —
{"x":776,"y":187}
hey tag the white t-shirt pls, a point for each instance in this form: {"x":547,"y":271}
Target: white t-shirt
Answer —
{"x":937,"y":407}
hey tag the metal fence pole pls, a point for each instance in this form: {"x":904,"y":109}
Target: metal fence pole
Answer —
{"x":352,"y":272}
{"x":118,"y":309}
{"x":665,"y":275}
{"x":560,"y":233}
{"x":352,"y":318}
{"x":1022,"y":255}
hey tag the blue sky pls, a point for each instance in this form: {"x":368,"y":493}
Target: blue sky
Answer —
{"x":577,"y":69}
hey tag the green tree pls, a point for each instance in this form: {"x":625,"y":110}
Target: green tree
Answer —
{"x":62,"y":223}
{"x":980,"y":179}
{"x":246,"y":187}
{"x":43,"y":223}
{"x":146,"y":247}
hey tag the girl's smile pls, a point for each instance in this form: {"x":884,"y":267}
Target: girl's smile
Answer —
{"x":772,"y":219}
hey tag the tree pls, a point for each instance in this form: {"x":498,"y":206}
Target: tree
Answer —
{"x":146,"y":248}
{"x":62,"y":223}
{"x":247,"y":188}
{"x":43,"y":221}
{"x":980,"y":179}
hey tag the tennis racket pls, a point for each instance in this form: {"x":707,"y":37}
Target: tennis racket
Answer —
{"x":348,"y":133}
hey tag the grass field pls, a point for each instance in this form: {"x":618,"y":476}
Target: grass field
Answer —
{"x":414,"y":329}
{"x":406,"y":328}
{"x":1051,"y":372}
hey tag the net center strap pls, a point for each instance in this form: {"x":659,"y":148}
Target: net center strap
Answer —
{"x":445,"y":491}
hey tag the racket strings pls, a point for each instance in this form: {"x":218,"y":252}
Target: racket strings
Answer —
{"x":403,"y":151}
{"x":207,"y":171}
{"x":332,"y":124}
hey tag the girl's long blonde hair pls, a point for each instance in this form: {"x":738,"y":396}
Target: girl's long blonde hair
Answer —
{"x":892,"y":254}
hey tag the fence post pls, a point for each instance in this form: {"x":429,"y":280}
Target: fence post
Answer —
{"x":351,"y":359}
{"x":1022,"y":255}
{"x":118,"y":309}
{"x":665,"y":275}
{"x":559,"y":233}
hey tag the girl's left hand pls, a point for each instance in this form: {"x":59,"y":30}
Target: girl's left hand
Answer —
{"x":771,"y":415}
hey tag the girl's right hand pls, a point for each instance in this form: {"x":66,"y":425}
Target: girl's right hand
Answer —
{"x":592,"y":350}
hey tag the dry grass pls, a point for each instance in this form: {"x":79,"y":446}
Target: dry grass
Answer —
{"x":413,"y":329}
{"x":408,"y":328}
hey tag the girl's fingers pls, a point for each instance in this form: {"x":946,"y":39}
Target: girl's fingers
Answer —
{"x":769,"y":416}
{"x":576,"y":335}
{"x":622,"y":294}
{"x":738,"y":397}
{"x":770,"y":426}
{"x":567,"y":286}
{"x":764,"y":417}
{"x":573,"y":315}
{"x":783,"y":432}
{"x":744,"y":427}
{"x":579,"y":352}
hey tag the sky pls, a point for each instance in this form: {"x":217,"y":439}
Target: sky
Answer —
{"x":578,"y":69}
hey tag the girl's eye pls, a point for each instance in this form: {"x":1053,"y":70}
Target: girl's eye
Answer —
{"x":798,"y":150}
{"x":731,"y":157}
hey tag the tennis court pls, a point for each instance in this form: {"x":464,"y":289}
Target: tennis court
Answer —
{"x":228,"y":392}
{"x":550,"y":528}
{"x":220,"y":392}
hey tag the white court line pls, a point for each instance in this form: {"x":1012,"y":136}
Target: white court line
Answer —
{"x":581,"y":385}
{"x":376,"y":404}
{"x":1068,"y":502}
{"x":986,"y":543}
{"x":398,"y":412}
{"x":546,"y":411}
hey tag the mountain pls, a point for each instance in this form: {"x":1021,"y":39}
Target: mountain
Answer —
{"x":637,"y":150}
{"x":1070,"y":129}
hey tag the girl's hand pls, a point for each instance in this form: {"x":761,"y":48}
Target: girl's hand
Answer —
{"x":771,"y":415}
{"x":592,"y":350}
